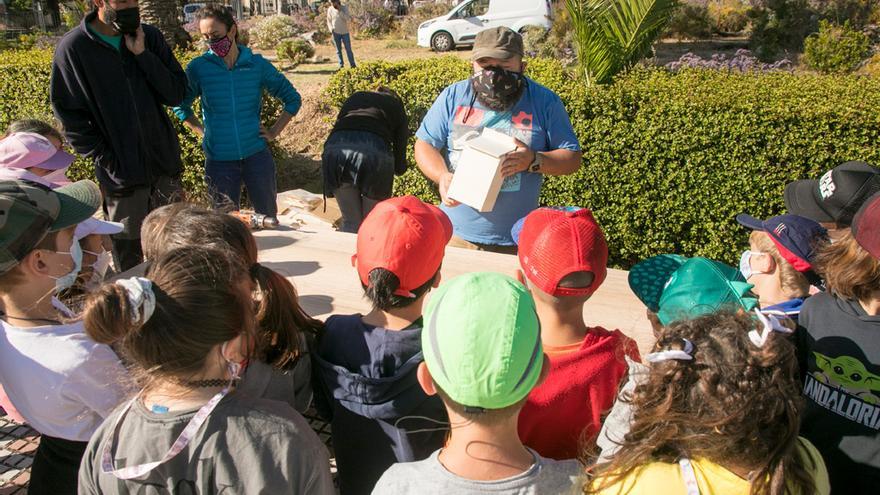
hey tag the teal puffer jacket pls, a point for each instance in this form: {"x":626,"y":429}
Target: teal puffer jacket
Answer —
{"x":231,"y":100}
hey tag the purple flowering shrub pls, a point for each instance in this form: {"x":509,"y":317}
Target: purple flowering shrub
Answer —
{"x":741,"y":61}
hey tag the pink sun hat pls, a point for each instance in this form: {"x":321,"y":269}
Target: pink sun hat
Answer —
{"x":27,"y":149}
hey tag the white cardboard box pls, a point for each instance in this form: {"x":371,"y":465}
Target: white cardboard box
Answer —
{"x":477,"y":179}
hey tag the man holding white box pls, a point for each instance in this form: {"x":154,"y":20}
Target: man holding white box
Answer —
{"x":498,"y":98}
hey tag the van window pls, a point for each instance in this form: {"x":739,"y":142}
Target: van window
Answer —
{"x":474,"y":9}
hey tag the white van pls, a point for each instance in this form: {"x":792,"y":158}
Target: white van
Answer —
{"x":190,"y":10}
{"x":461,"y":25}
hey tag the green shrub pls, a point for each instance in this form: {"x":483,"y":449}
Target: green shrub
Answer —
{"x":835,"y":48}
{"x":267,"y":32}
{"x":670,"y":159}
{"x":24,"y":93}
{"x":295,"y":51}
{"x":690,"y":22}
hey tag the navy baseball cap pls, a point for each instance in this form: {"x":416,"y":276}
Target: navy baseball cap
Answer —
{"x":866,"y":226}
{"x":836,"y":196}
{"x":795,"y":237}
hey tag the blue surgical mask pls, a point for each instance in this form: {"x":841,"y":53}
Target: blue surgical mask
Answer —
{"x":745,"y":265}
{"x":66,"y":281}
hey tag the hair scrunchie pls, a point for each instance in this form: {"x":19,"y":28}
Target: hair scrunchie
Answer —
{"x":686,"y":354}
{"x":141,"y":298}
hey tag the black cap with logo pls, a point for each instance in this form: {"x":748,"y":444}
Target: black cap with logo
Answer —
{"x":836,"y":196}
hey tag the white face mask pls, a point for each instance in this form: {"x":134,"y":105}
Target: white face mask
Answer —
{"x":66,"y":281}
{"x":99,"y":269}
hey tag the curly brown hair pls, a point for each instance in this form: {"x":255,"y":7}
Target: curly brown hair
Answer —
{"x":733,"y":404}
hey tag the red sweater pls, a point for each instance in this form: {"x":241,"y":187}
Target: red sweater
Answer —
{"x":564,"y":413}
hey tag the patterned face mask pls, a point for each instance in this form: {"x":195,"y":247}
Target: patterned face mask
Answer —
{"x":496,"y":88}
{"x":221,"y":46}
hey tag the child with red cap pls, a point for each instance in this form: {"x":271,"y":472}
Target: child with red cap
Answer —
{"x":563,"y":255}
{"x":367,"y":363}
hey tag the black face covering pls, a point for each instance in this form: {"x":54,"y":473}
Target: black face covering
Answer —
{"x":126,"y":21}
{"x":498,"y":89}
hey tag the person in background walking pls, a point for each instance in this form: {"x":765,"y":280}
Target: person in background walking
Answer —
{"x":366,"y":148}
{"x":337,"y":22}
{"x":230,"y":80}
{"x":111,"y":79}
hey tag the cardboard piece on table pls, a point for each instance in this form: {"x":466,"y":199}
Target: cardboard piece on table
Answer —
{"x":477,"y":179}
{"x":299,"y":199}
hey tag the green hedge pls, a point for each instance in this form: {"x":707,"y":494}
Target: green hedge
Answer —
{"x":670,"y":159}
{"x":24,"y":93}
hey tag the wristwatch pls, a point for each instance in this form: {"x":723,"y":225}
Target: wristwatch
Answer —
{"x":535,"y":166}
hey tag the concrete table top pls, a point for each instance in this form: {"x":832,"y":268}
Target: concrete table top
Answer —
{"x":317,"y":260}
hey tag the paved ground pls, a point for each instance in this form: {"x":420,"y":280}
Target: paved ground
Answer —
{"x":17,"y":446}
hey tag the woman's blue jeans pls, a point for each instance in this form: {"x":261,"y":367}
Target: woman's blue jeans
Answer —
{"x":257,"y":172}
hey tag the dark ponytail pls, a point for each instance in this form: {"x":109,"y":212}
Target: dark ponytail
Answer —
{"x":287,"y":331}
{"x":384,"y":283}
{"x":201,"y":301}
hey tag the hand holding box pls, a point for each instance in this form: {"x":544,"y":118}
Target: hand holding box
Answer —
{"x":477,"y":179}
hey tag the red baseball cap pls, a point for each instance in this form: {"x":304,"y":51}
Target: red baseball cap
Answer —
{"x":554,"y":243}
{"x":866,"y":226}
{"x":406,"y":237}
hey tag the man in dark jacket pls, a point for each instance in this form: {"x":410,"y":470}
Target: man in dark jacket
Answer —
{"x":111,"y":78}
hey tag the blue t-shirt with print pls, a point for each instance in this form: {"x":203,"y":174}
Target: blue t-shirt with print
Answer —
{"x":539,"y":120}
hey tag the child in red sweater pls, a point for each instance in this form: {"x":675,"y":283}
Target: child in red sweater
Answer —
{"x":563,"y":255}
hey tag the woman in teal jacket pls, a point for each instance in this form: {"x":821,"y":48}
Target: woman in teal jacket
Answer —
{"x":230,"y":80}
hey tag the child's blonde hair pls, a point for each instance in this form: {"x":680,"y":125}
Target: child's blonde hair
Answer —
{"x":794,"y":283}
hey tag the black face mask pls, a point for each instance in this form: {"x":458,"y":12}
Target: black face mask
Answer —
{"x":126,"y":21}
{"x":498,"y":89}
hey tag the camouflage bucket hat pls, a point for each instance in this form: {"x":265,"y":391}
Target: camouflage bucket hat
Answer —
{"x":28,"y":211}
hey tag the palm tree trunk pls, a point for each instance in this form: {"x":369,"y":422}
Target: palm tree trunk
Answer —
{"x":165,"y":16}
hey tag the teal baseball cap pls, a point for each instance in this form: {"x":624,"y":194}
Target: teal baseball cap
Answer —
{"x":701,"y":286}
{"x":648,"y":278}
{"x":482,"y":340}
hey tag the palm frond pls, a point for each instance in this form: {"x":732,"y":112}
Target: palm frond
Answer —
{"x":612,"y":35}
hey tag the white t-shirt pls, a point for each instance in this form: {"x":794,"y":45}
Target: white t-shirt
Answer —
{"x":61,"y":381}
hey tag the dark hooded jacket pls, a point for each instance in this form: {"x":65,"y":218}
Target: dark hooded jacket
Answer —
{"x":374,"y":402}
{"x":112,"y":105}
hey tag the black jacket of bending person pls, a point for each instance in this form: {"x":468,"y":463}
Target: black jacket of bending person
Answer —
{"x":111,"y":104}
{"x":381,"y":114}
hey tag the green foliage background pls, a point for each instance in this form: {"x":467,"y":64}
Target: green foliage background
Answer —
{"x":670,"y":159}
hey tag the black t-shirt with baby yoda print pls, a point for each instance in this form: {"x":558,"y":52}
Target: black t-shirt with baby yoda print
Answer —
{"x":839,"y":354}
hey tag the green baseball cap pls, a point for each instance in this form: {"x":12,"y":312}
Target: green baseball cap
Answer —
{"x":28,"y":211}
{"x":482,"y":340}
{"x":702,"y":286}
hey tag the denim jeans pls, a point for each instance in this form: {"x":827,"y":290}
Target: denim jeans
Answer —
{"x":358,"y":171}
{"x":258,"y":174}
{"x":339,"y":40}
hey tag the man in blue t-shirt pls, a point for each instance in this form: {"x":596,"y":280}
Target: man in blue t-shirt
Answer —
{"x":499,"y":97}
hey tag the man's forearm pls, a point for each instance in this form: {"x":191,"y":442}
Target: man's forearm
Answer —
{"x":560,"y":162}
{"x":430,"y":161}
